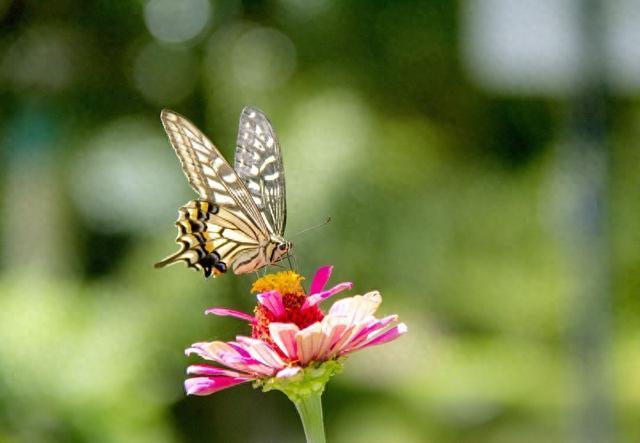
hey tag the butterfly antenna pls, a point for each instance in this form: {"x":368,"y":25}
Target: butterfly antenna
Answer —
{"x":292,"y":258}
{"x":319,"y":225}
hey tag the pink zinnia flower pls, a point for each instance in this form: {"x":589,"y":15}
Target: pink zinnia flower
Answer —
{"x":294,"y":346}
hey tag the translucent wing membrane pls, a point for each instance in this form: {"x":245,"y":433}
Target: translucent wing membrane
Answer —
{"x":258,"y":162}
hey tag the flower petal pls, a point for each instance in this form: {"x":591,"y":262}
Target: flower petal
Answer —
{"x":320,"y":279}
{"x":284,"y":336}
{"x":232,"y":355}
{"x":374,"y":327}
{"x":209,"y":385}
{"x":335,"y":328}
{"x":203,"y":369}
{"x":200,"y":349}
{"x":358,"y":307}
{"x":262,"y":352}
{"x":318,"y":297}
{"x":388,"y":336}
{"x":350,"y":331}
{"x":289,"y":372}
{"x":308,"y":342}
{"x":272,"y":300}
{"x":230,"y":313}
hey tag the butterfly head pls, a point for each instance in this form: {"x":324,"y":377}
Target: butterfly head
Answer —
{"x":280,"y":247}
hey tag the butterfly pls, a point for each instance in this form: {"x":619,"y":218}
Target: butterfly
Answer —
{"x":238,"y":222}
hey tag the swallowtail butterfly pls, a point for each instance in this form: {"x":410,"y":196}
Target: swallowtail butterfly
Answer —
{"x":239,"y":219}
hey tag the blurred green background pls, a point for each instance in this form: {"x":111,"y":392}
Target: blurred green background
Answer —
{"x":480,"y":163}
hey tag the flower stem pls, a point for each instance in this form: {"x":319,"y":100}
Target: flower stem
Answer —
{"x":310,"y":409}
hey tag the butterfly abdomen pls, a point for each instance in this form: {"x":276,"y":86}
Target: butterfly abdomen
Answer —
{"x":197,"y":238}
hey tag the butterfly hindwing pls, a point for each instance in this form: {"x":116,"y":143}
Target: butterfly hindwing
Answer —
{"x":209,"y":237}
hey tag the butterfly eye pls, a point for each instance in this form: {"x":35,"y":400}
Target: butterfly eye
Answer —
{"x":282,"y":246}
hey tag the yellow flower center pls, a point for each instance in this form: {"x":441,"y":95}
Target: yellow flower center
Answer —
{"x":286,"y":282}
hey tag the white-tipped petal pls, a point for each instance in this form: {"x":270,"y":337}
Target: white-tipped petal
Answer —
{"x":289,"y":372}
{"x":284,"y":336}
{"x":358,"y":307}
{"x":308,"y":341}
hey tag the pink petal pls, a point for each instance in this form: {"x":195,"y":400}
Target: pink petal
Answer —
{"x":324,"y":346}
{"x":231,"y":313}
{"x":336,"y":328}
{"x":209,"y":385}
{"x":272,"y":300}
{"x":391,"y":334}
{"x":284,"y":336}
{"x":232,"y":355}
{"x":320,"y":279}
{"x":213,"y":371}
{"x":199,"y":349}
{"x":374,"y":326}
{"x":248,"y":365}
{"x":308,"y":342}
{"x":350,"y":331}
{"x":318,"y":297}
{"x":238,"y":347}
{"x":289,"y":372}
{"x":262,"y":352}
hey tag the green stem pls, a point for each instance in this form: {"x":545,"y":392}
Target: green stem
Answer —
{"x":310,"y":409}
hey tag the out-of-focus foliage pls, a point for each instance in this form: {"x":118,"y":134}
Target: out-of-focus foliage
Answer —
{"x":443,"y":196}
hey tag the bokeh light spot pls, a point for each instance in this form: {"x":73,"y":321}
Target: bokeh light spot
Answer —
{"x":42,"y":57}
{"x":164,"y":75}
{"x":176,"y":21}
{"x":122,"y":181}
{"x":263,"y":58}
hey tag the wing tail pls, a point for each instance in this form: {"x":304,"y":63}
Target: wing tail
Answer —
{"x":170,"y":260}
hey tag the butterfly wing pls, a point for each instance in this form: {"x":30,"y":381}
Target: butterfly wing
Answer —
{"x":217,"y":230}
{"x":212,"y":237}
{"x":258,"y":163}
{"x":206,"y":169}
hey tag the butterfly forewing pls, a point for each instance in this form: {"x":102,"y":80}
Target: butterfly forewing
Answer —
{"x":258,"y":162}
{"x":206,"y":169}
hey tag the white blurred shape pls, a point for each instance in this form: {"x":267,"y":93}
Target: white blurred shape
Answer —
{"x":176,"y":21}
{"x":262,"y":58}
{"x":622,"y":40}
{"x":164,"y":75}
{"x":523,"y":46}
{"x":126,"y":178}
